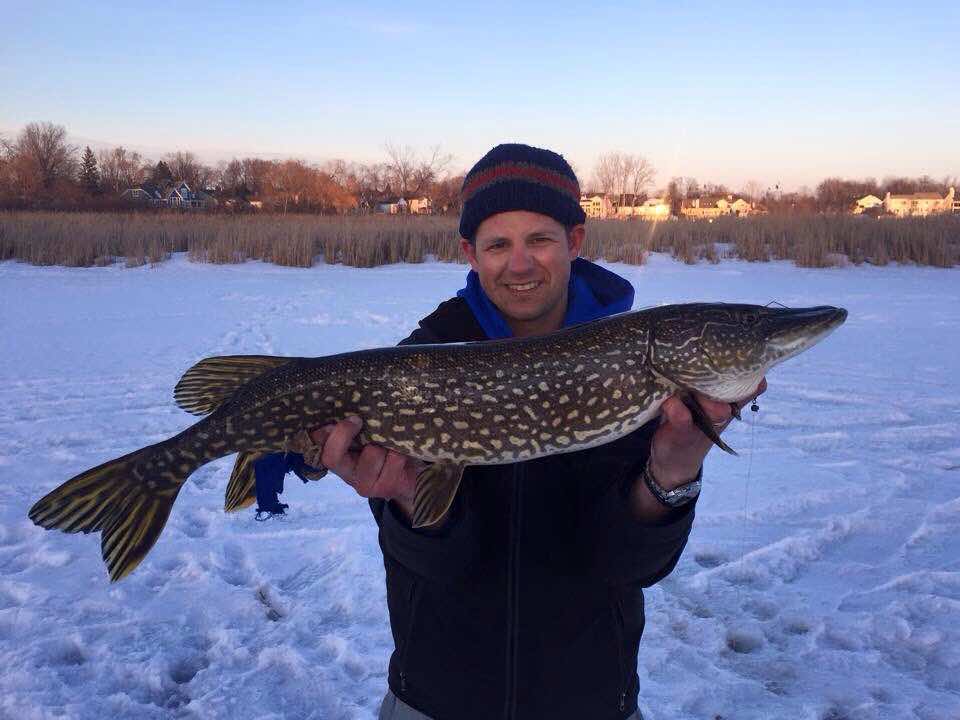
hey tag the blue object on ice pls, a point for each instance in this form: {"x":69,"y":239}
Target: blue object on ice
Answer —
{"x":269,"y":472}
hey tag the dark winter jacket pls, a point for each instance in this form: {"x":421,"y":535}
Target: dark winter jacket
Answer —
{"x":527,"y":601}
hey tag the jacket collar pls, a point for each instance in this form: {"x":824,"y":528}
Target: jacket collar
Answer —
{"x":593,"y":292}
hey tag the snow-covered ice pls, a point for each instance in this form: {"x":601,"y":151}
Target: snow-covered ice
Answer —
{"x":821,"y":581}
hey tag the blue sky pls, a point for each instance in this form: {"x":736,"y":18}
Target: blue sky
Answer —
{"x":725,"y":93}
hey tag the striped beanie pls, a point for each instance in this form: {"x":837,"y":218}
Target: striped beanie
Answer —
{"x":519,"y":177}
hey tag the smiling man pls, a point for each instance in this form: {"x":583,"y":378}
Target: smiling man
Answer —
{"x":526,"y":600}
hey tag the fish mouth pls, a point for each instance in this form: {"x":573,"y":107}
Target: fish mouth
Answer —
{"x":797,"y":330}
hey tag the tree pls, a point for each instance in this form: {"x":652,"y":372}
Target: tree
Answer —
{"x":675,"y":195}
{"x":42,"y":157}
{"x":161,"y":175}
{"x":622,"y":174}
{"x":120,"y":170}
{"x":89,"y":173}
{"x":753,"y":191}
{"x":408,"y":173}
{"x":186,"y":166}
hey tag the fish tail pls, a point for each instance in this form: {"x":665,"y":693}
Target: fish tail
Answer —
{"x":127,"y":500}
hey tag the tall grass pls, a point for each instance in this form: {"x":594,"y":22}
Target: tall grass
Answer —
{"x":84,"y":239}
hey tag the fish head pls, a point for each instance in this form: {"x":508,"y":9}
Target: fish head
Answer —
{"x":723,"y":350}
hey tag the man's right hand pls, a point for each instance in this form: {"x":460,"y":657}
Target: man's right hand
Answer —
{"x":373,"y":471}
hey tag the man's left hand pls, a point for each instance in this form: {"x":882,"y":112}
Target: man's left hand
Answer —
{"x":679,"y":447}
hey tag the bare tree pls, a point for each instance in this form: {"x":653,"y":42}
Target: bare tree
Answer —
{"x":120,"y":169}
{"x":42,"y":156}
{"x":753,"y":191}
{"x":186,"y":166}
{"x":411,"y":174}
{"x":622,"y":174}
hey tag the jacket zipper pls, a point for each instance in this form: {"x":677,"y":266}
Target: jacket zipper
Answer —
{"x":408,"y":635}
{"x":618,"y":630}
{"x":513,"y":598}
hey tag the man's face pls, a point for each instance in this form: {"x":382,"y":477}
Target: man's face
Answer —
{"x":523,"y":260}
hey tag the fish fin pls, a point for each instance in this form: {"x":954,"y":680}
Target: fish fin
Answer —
{"x":702,"y":421}
{"x":242,"y":486}
{"x":213,"y":380}
{"x":128,"y":500}
{"x":436,"y":488}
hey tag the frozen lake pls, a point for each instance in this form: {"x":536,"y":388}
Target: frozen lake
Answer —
{"x":821,"y":581}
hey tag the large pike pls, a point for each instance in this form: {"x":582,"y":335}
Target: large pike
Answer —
{"x":454,"y":405}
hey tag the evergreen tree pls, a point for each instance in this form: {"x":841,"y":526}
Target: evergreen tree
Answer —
{"x":89,"y":172}
{"x":161,"y":175}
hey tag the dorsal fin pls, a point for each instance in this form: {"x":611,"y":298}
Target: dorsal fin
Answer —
{"x":205,"y":386}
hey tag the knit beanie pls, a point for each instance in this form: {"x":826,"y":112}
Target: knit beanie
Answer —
{"x":520,"y":177}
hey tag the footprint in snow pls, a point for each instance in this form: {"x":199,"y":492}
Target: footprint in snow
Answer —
{"x":761,"y":609}
{"x":235,"y":567}
{"x":708,"y":559}
{"x":744,"y":640}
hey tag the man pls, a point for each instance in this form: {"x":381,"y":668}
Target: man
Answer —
{"x":525,"y":600}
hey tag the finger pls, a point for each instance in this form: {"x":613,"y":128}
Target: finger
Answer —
{"x":394,"y":481}
{"x":335,"y":450}
{"x":320,"y":435}
{"x":369,"y":466}
{"x":717,"y":412}
{"x":675,"y":413}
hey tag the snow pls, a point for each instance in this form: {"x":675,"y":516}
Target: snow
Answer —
{"x":821,"y":581}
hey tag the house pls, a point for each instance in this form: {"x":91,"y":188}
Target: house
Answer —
{"x":650,"y":209}
{"x":420,"y":205}
{"x":713,"y":206}
{"x":178,"y":196}
{"x":740,"y":207}
{"x":919,"y":204}
{"x":148,"y":194}
{"x":181,"y":197}
{"x":392,"y":206}
{"x":867,"y":203}
{"x":596,"y":205}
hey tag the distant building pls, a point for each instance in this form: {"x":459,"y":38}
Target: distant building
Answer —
{"x":148,"y":194}
{"x":713,"y":206}
{"x":650,"y":209}
{"x":919,"y":204}
{"x":178,"y":196}
{"x":420,"y":205}
{"x":596,"y":205}
{"x":392,"y":206}
{"x":866,"y":204}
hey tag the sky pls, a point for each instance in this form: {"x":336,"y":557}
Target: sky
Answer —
{"x":727,"y":93}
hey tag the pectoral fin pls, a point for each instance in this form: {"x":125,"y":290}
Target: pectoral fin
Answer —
{"x":702,"y":421}
{"x":436,"y":488}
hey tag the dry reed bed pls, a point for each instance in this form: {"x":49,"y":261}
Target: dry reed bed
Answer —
{"x":85,"y":239}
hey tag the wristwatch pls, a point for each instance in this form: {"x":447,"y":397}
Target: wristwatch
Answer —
{"x":677,"y":497}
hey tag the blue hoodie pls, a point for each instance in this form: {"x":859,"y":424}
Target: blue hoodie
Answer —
{"x":593,"y":292}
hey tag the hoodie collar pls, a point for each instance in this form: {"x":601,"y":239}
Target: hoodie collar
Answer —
{"x":593,"y":292}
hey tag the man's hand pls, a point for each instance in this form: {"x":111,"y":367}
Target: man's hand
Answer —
{"x":373,"y":471}
{"x":678,"y":446}
{"x":678,"y":449}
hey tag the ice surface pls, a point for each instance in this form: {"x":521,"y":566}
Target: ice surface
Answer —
{"x":821,"y":581}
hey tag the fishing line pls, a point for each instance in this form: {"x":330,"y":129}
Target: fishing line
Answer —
{"x":746,"y":489}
